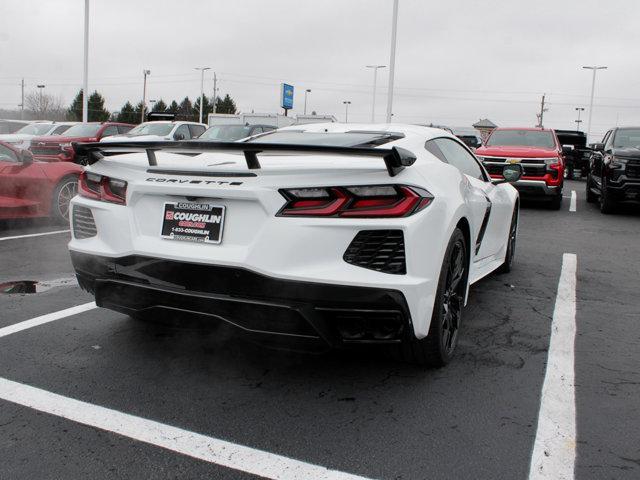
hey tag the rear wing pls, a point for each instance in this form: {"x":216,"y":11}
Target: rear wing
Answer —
{"x":395,"y":158}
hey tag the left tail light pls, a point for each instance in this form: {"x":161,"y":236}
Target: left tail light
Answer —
{"x":361,"y":201}
{"x":102,"y":188}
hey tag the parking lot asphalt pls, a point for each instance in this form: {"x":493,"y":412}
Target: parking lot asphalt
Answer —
{"x":352,"y":411}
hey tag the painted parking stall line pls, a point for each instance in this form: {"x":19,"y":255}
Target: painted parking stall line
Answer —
{"x":30,"y":235}
{"x":47,"y":318}
{"x":554,"y":450}
{"x":195,"y":445}
{"x":572,"y":204}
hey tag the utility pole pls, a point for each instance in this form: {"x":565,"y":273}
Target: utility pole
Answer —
{"x":85,"y":78}
{"x":22,"y":102}
{"x":144,"y":94}
{"x":202,"y":70}
{"x":392,"y":60}
{"x":346,"y":110}
{"x":578,"y":121}
{"x":375,"y":81}
{"x":593,"y":88}
{"x":306,"y":92}
{"x":215,"y":92}
{"x":40,"y":108}
{"x":542,"y":110}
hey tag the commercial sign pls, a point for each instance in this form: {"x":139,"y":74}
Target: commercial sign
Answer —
{"x":286,"y":96}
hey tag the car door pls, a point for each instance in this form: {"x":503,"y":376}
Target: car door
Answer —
{"x":196,"y":130}
{"x":492,"y":230}
{"x":23,"y":187}
{"x":182,"y":133}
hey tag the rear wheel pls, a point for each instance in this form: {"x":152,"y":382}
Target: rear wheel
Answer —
{"x":511,"y":243}
{"x":437,"y":348}
{"x":62,"y":195}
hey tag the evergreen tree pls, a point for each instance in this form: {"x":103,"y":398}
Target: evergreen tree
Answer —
{"x":74,"y":113}
{"x":207,"y":108}
{"x":95,"y":105}
{"x":185,"y":110}
{"x":225,"y":105}
{"x":173,"y":108}
{"x":127,"y":114}
{"x":159,"y":106}
{"x":138,"y":112}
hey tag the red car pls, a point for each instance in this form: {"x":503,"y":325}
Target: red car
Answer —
{"x":30,"y":188}
{"x":540,"y":154}
{"x":58,"y":148}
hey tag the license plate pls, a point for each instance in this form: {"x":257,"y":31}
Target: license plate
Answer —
{"x":193,"y":222}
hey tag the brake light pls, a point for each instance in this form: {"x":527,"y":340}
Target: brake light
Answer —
{"x":102,"y":188}
{"x":368,"y":201}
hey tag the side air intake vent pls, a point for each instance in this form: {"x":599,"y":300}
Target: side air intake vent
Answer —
{"x":380,"y":250}
{"x":83,"y":223}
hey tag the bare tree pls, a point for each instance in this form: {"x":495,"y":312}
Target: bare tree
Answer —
{"x":44,"y":106}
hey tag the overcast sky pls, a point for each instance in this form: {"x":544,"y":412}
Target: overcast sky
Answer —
{"x":457,"y":60}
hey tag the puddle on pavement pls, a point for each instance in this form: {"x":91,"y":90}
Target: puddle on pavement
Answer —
{"x":34,"y":286}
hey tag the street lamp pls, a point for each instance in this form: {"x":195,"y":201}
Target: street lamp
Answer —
{"x":578,"y":121}
{"x":202,"y":70}
{"x":346,"y":110}
{"x":40,"y":88}
{"x":306,"y":92}
{"x":375,"y":78}
{"x":593,"y":87}
{"x":85,"y":76}
{"x":144,"y":94}
{"x":392,"y":60}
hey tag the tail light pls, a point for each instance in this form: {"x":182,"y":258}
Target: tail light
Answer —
{"x":367,"y":201}
{"x":102,"y":188}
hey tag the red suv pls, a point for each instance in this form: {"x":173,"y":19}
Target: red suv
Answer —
{"x":58,"y":148}
{"x":537,"y":150}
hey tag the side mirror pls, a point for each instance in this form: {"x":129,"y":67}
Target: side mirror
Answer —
{"x":598,"y":147}
{"x":511,"y":173}
{"x":26,"y":157}
{"x":567,"y":149}
{"x":179,"y":136}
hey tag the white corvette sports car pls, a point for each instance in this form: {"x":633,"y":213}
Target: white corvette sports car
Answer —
{"x":323,"y":234}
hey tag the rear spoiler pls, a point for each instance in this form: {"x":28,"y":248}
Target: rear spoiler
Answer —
{"x":395,"y":158}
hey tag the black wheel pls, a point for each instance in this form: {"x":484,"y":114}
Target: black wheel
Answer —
{"x":437,"y":348}
{"x":556,"y":202}
{"x":607,"y":205}
{"x":511,"y":243}
{"x":62,"y":195}
{"x":591,"y":197}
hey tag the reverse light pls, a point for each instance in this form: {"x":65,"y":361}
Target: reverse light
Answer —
{"x":102,"y":188}
{"x":362,"y":201}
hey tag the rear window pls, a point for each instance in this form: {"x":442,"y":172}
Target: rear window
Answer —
{"x":521,"y":138}
{"x":333,"y":139}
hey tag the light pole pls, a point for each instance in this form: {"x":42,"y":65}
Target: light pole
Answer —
{"x":593,"y":87}
{"x":578,"y":121}
{"x":346,"y":110}
{"x":392,"y":60}
{"x":375,"y":81}
{"x":40,"y":88}
{"x":202,"y":70}
{"x":144,"y":94}
{"x":306,"y":92}
{"x":85,"y":78}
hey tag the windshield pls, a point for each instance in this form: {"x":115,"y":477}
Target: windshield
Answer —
{"x":521,"y":138}
{"x":227,"y":133}
{"x":36,"y":129}
{"x":627,"y":137}
{"x":348,"y":139}
{"x":83,"y":130}
{"x":151,"y":128}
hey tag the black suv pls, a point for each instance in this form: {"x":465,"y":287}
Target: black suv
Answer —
{"x":614,"y":169}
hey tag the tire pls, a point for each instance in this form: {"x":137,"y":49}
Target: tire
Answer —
{"x":438,"y":347}
{"x":556,"y":202}
{"x":591,"y":197}
{"x":62,"y":195}
{"x":511,"y":243}
{"x":607,"y":205}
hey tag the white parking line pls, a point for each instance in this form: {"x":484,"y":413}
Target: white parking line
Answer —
{"x":572,"y":205}
{"x":34,"y":235}
{"x":554,"y":450}
{"x":209,"y":449}
{"x":49,"y":317}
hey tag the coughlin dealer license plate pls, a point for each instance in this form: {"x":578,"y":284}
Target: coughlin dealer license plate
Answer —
{"x":193,"y":222}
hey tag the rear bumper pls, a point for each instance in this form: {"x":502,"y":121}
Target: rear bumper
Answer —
{"x":274,"y":310}
{"x":536,"y":188}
